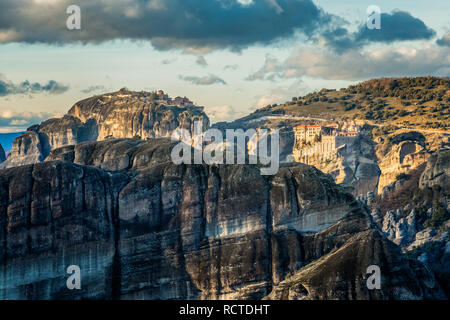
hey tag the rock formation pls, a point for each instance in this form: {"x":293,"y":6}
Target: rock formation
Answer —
{"x":341,"y":272}
{"x":141,"y":227}
{"x":437,"y":171}
{"x":355,"y":164}
{"x":414,"y":212}
{"x":30,"y":147}
{"x":122,"y":114}
{"x":405,"y":152}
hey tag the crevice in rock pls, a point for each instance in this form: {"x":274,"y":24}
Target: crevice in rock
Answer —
{"x":294,"y":193}
{"x":30,"y":202}
{"x":116,"y":276}
{"x":269,"y":230}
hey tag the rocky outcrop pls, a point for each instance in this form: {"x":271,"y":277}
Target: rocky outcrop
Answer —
{"x":342,"y":273}
{"x":354,"y":164}
{"x":122,"y":114}
{"x":128,"y":114}
{"x":437,"y":171}
{"x":30,"y":147}
{"x":141,"y":227}
{"x":402,"y":154}
{"x":414,"y":212}
{"x":399,"y":228}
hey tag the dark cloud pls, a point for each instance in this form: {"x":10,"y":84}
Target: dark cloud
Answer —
{"x":204,"y":81}
{"x":27,"y":87}
{"x":444,"y":41}
{"x":395,"y":26}
{"x":195,"y":25}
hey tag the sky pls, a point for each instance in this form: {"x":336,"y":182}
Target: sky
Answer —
{"x":231,"y":56}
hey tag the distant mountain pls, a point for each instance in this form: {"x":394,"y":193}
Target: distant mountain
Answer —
{"x":6,"y":139}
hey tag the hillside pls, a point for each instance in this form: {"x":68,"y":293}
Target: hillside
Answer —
{"x":421,"y":102}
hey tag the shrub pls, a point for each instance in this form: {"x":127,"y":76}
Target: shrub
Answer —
{"x":439,"y":216}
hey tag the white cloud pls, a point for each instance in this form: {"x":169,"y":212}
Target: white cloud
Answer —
{"x":11,"y":121}
{"x":357,"y":65}
{"x":224,"y":113}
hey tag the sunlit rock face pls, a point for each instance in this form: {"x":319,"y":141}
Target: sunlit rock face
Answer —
{"x":141,"y":227}
{"x":402,"y":158}
{"x":126,"y":116}
{"x":30,"y":147}
{"x":115,"y":115}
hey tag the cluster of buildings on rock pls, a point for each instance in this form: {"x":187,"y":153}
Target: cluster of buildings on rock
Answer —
{"x":322,"y":140}
{"x":161,"y":97}
{"x":178,"y":101}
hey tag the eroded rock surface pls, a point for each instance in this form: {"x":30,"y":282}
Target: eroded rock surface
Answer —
{"x":122,"y":114}
{"x":141,"y":227}
{"x":341,"y":273}
{"x":437,"y":171}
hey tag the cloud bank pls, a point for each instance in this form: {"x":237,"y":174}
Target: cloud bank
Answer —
{"x":194,"y":25}
{"x":357,"y":65}
{"x":395,"y":26}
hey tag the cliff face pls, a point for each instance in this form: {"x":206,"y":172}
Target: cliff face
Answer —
{"x":340,"y":274}
{"x":141,"y":227}
{"x":123,"y":114}
{"x":414,"y":212}
{"x":437,"y":171}
{"x":401,"y":154}
{"x":353,"y":164}
{"x":30,"y":147}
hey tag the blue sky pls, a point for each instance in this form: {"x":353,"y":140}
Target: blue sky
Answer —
{"x":231,"y":56}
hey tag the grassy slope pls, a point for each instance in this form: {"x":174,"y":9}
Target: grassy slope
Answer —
{"x":422,"y":102}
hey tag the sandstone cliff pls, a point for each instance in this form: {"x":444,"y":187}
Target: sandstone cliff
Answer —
{"x":353,"y":164}
{"x":141,"y":227}
{"x":400,"y":154}
{"x":414,"y":212}
{"x":122,"y":114}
